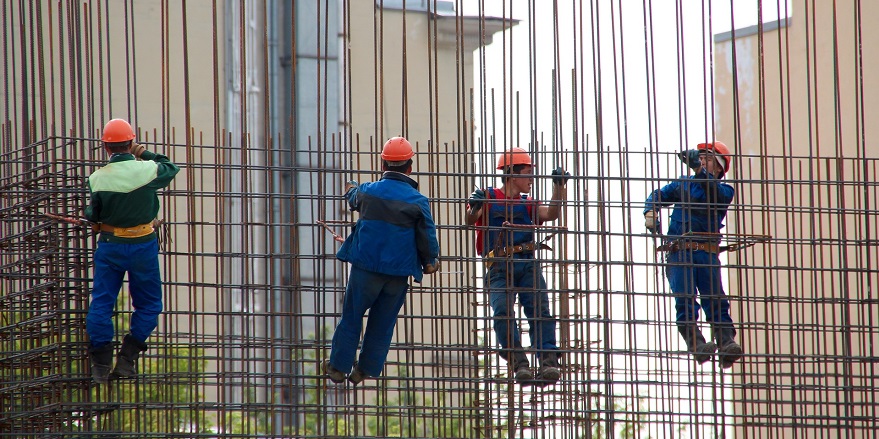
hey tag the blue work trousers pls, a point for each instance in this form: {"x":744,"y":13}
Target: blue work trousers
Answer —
{"x":521,"y":277}
{"x":112,"y":261}
{"x":383,"y":296}
{"x":692,"y":271}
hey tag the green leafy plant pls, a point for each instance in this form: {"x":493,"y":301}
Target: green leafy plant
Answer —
{"x":632,"y":424}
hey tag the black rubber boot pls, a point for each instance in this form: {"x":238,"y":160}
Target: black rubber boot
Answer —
{"x":702,"y":350}
{"x":101,"y":362}
{"x":521,"y":367}
{"x":126,"y":361}
{"x":729,"y":351}
{"x":550,"y":371}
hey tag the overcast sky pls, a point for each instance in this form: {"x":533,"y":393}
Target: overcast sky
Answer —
{"x":666,"y":64}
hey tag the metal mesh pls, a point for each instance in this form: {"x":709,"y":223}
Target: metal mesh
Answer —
{"x":269,"y":108}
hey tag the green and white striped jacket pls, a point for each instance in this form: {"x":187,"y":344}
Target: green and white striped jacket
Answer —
{"x":123,"y":192}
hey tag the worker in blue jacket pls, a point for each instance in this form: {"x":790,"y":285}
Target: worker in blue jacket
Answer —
{"x":394,"y":239}
{"x":123,"y":202}
{"x":693,"y":244}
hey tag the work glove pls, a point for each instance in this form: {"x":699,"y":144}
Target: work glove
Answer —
{"x":351,"y":184}
{"x":651,"y":222}
{"x":560,"y":177}
{"x":137,"y":149}
{"x":691,"y":158}
{"x":477,"y":199}
{"x":431,"y":268}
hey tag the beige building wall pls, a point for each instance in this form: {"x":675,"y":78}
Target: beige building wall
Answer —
{"x":800,"y":113}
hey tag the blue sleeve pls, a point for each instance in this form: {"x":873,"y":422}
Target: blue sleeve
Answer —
{"x":727,"y":193}
{"x":710,"y":191}
{"x":425,"y":236}
{"x":667,"y":196}
{"x":353,"y":197}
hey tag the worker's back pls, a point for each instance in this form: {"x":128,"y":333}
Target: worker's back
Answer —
{"x":395,"y":234}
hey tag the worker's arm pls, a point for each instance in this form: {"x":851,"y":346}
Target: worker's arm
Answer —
{"x":474,"y":207}
{"x":352,"y":192}
{"x":165,"y":170}
{"x":426,"y":241}
{"x":93,"y":210}
{"x":667,"y":196}
{"x":553,"y":209}
{"x":472,"y":215}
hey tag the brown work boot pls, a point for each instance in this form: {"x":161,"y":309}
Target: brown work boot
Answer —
{"x":550,"y":371}
{"x":101,"y":362}
{"x":335,"y":375}
{"x":729,"y":354}
{"x":696,"y":344}
{"x":521,"y":367}
{"x":729,"y":351}
{"x":523,"y":373}
{"x":357,"y":376}
{"x":126,"y":361}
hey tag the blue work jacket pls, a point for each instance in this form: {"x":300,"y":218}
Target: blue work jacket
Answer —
{"x":395,"y":234}
{"x":700,"y":204}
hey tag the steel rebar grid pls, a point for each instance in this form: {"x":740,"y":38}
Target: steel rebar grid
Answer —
{"x":237,"y":350}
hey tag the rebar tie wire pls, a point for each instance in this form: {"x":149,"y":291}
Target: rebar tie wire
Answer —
{"x":336,"y":236}
{"x":79,"y":222}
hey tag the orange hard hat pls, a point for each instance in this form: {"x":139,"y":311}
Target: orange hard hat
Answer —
{"x":721,"y":153}
{"x":397,"y":149}
{"x":117,"y":130}
{"x":513,"y":156}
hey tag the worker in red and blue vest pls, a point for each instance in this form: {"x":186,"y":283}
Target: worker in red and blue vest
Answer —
{"x":692,"y":242}
{"x":512,"y":268}
{"x":123,"y":203}
{"x":394,"y":239}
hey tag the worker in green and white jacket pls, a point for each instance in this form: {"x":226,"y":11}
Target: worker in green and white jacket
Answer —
{"x":124,"y":204}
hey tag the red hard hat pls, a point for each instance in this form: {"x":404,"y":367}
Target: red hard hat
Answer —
{"x":721,"y":153}
{"x":513,"y":156}
{"x":117,"y":130}
{"x":397,"y":149}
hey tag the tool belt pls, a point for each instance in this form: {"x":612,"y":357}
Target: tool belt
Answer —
{"x":502,"y":252}
{"x":128,"y":232}
{"x":675,"y":246}
{"x":509,"y":250}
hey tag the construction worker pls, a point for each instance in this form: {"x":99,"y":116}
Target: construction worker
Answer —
{"x":395,"y":238}
{"x":512,"y":268}
{"x":692,"y":244}
{"x":123,"y":202}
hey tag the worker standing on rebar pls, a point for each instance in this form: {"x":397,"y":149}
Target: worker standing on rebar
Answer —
{"x":395,"y":238}
{"x":124,"y":204}
{"x":509,"y":255}
{"x":692,"y":242}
